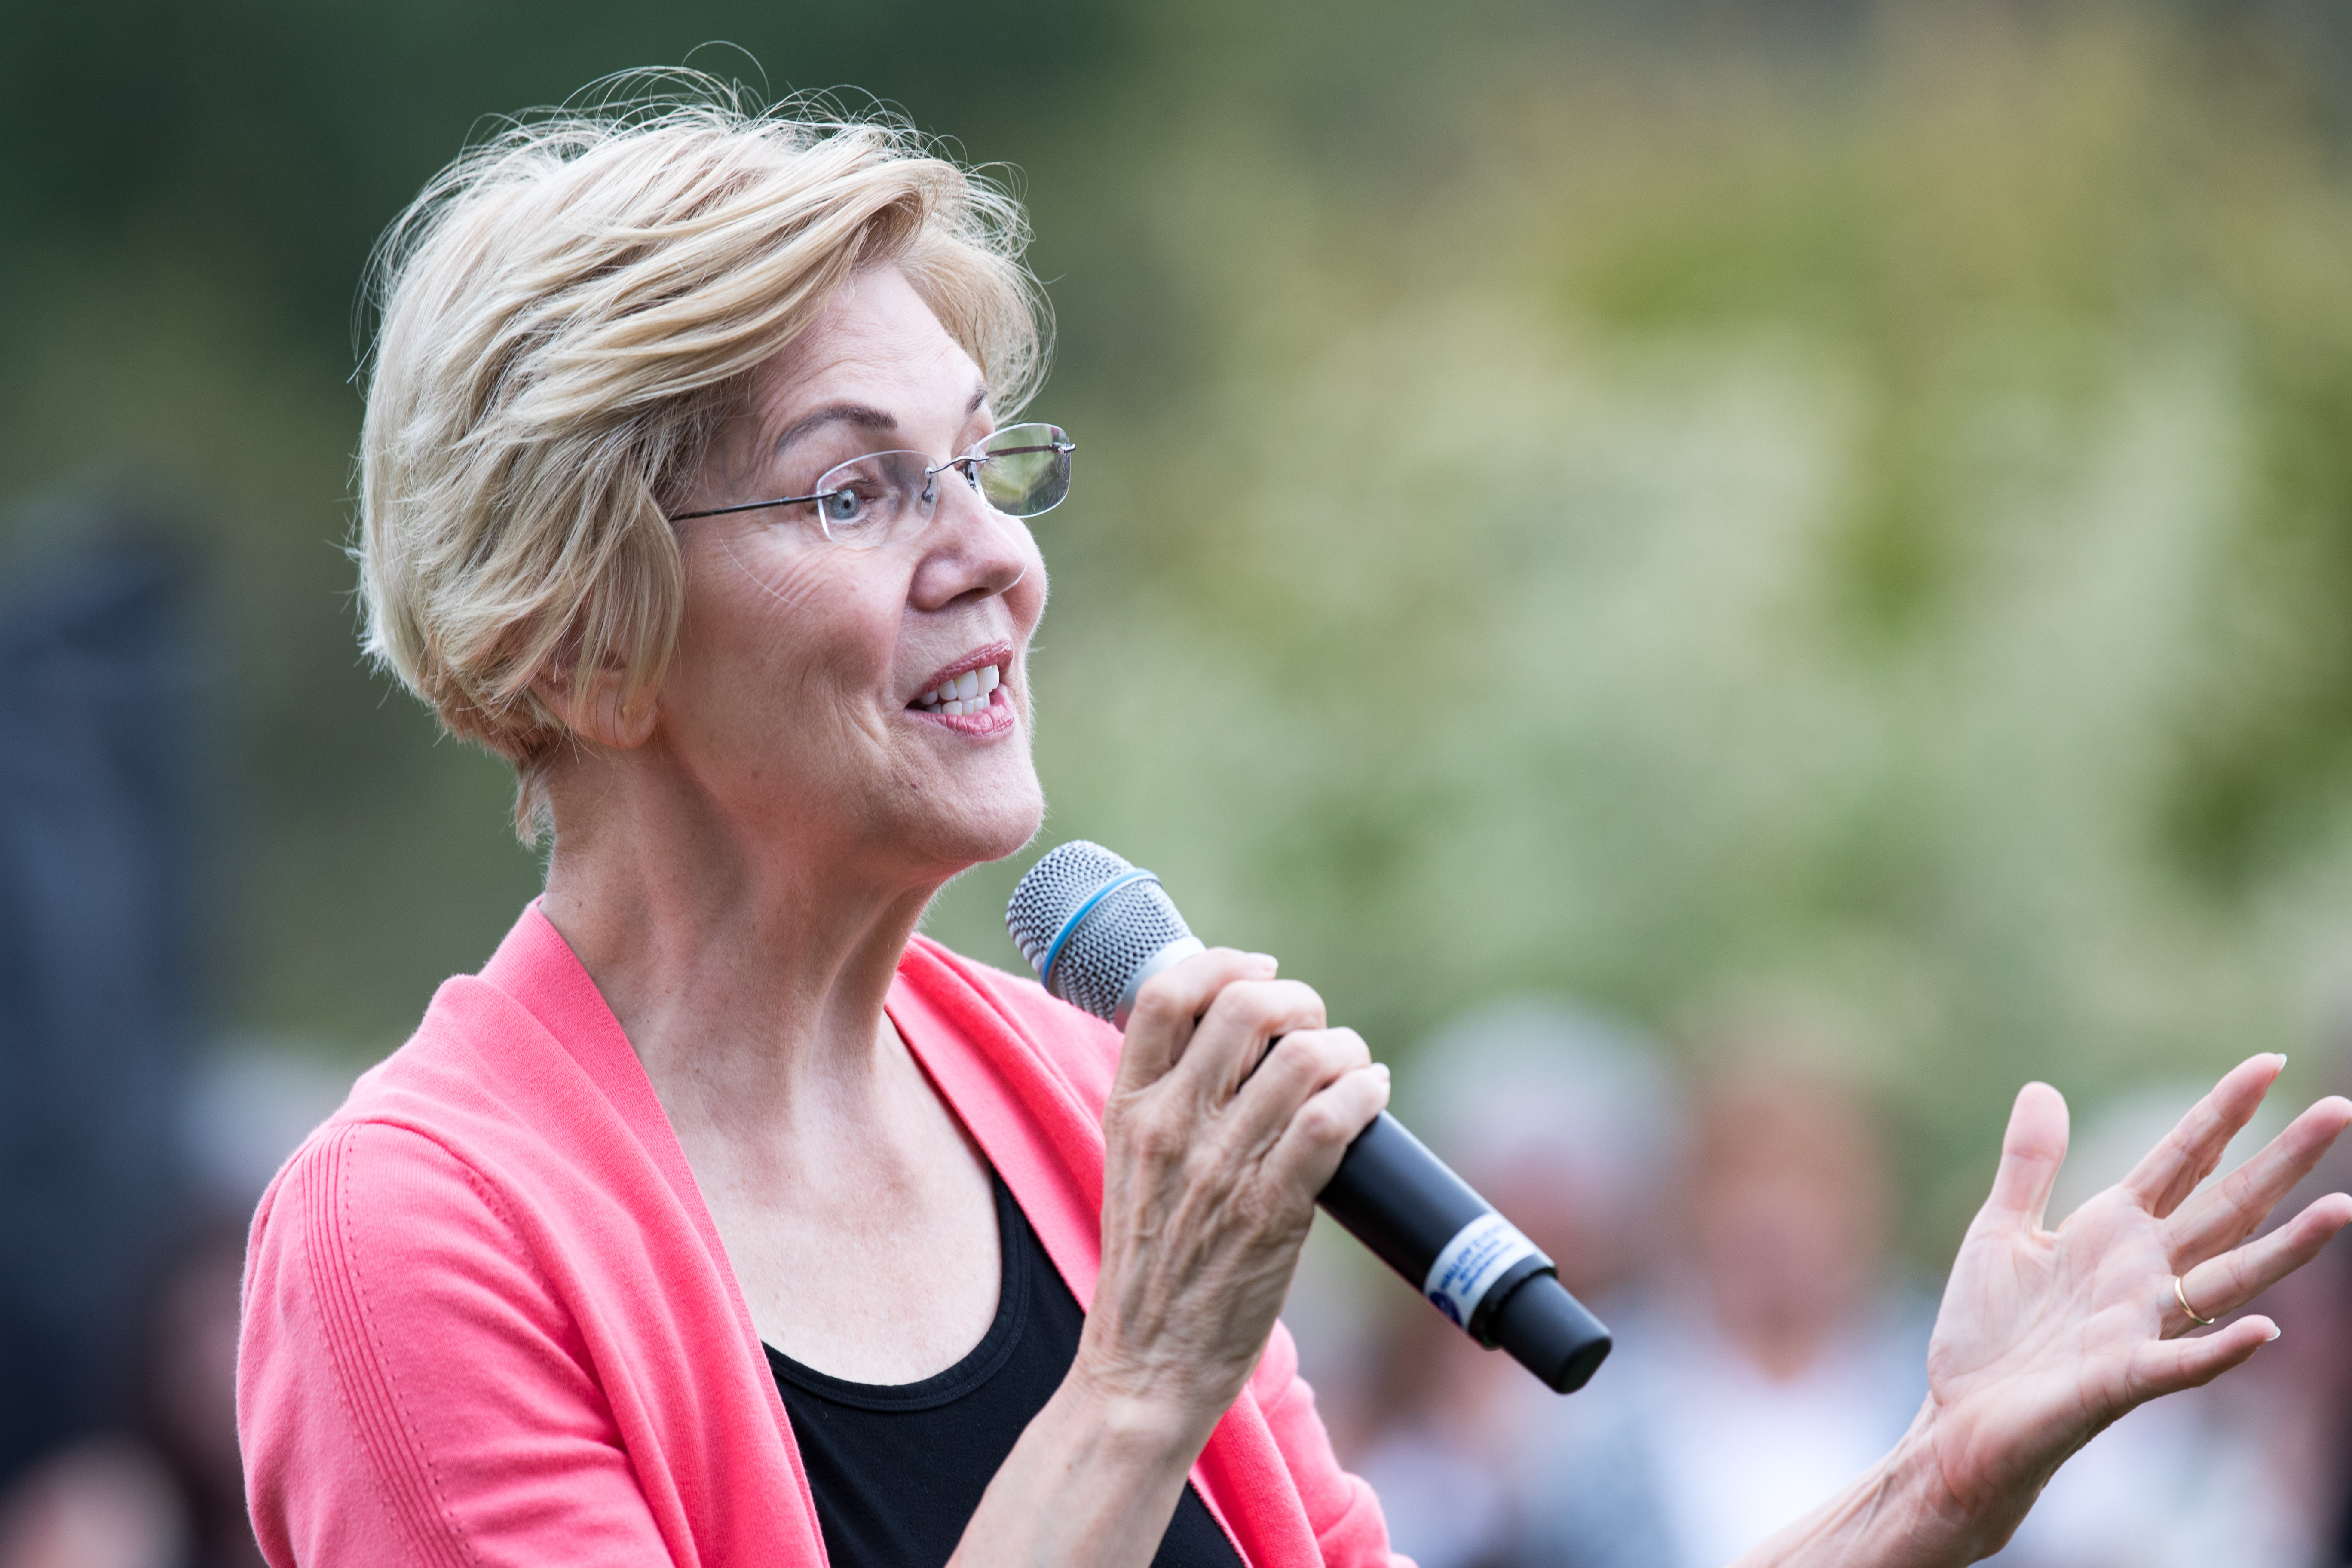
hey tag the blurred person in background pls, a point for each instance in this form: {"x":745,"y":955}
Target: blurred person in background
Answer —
{"x":165,"y":1490}
{"x":1779,"y":1349}
{"x":188,"y":1379}
{"x":1566,"y":1121}
{"x":97,"y":1502}
{"x":2296,"y":1415}
{"x":162,"y":1484}
{"x":1764,"y":1348}
{"x":101,"y":745}
{"x":101,"y":797}
{"x":2324,"y":1310}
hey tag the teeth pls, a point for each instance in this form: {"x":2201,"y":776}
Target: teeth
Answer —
{"x":966,"y":693}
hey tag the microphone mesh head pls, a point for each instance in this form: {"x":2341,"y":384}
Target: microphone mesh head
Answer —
{"x":1131,"y":925}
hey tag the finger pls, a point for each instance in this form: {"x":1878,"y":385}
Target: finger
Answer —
{"x":1168,"y":1007}
{"x":2228,"y":1212}
{"x":1319,"y":1132}
{"x":2031,"y":1153}
{"x":2224,"y":1284}
{"x":2171,"y":1169}
{"x":1301,"y":1065}
{"x":2167,"y":1367}
{"x":1245,"y":1017}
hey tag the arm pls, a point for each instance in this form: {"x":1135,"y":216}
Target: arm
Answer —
{"x":1216,"y":1145}
{"x":408,"y":1389}
{"x":2046,"y":1337}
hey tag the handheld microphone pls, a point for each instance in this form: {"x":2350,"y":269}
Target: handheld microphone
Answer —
{"x":1096,"y":927}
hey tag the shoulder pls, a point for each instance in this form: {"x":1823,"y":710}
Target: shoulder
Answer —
{"x":980,"y":998}
{"x":372,"y":1224}
{"x":411,"y":1385}
{"x":409,"y":1215}
{"x":387,"y":1149}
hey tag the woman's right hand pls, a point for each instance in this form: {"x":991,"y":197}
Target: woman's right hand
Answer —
{"x":1216,"y":1147}
{"x":1211,"y":1162}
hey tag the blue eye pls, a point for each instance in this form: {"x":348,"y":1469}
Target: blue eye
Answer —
{"x":840,"y":506}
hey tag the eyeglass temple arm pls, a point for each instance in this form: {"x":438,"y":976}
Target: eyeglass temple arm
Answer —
{"x":1063,"y":446}
{"x":754,"y":506}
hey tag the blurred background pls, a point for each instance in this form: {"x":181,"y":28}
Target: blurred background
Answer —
{"x":1755,"y":575}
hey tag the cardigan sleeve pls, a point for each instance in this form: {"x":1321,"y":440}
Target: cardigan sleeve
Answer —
{"x":410,"y":1390}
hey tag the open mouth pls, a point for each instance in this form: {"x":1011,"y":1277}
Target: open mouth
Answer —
{"x":967,"y":691}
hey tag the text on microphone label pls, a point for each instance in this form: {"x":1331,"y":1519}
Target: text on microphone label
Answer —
{"x":1468,"y":1266}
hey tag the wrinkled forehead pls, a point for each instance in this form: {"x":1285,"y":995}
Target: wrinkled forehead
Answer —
{"x":873,"y":359}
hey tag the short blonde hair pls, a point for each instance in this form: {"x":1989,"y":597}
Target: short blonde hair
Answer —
{"x":567,"y":315}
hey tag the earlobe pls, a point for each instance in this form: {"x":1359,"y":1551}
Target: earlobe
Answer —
{"x":605,"y":712}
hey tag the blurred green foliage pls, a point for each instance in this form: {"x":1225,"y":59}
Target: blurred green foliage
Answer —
{"x":1825,"y":514}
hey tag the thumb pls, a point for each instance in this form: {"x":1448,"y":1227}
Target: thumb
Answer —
{"x":2031,"y":1153}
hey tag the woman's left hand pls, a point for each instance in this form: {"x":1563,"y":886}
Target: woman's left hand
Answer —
{"x":2047,"y":1336}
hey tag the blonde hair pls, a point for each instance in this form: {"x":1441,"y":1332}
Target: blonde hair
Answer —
{"x":567,"y":314}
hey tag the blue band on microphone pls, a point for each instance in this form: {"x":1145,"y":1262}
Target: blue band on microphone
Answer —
{"x":1054,"y":948}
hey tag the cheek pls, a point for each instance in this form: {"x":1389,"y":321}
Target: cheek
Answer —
{"x":805,"y":617}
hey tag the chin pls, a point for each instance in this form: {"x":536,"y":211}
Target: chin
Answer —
{"x":990,"y":828}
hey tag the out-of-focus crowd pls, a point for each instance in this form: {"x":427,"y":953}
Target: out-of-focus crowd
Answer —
{"x":1731,"y":1223}
{"x":120,"y":1438}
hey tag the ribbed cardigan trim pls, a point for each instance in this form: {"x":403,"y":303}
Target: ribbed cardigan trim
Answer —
{"x":399,"y":1459}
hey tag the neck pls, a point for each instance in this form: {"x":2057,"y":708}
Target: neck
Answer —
{"x":749,"y":972}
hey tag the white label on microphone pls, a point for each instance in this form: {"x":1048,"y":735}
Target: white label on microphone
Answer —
{"x":1468,"y":1266}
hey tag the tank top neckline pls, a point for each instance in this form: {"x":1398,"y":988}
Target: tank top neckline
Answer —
{"x":983,"y":1362}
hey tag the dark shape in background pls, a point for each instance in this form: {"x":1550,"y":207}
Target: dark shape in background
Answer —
{"x":99,"y":799}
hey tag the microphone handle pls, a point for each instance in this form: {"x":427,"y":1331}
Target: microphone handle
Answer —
{"x":1403,"y":1202}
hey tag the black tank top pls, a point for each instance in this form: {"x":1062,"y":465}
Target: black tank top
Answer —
{"x":897,"y":1469}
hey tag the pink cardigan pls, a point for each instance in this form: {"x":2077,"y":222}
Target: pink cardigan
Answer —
{"x":488,"y":1319}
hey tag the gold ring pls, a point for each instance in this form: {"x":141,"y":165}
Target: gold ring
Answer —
{"x":2181,"y":1294}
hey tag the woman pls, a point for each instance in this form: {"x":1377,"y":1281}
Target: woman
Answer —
{"x":723,"y":1219}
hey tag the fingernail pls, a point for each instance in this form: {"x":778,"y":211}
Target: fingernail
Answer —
{"x":1265,"y":961}
{"x":2275,"y":1333}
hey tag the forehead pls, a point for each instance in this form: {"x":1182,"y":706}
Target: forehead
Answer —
{"x":875,"y":343}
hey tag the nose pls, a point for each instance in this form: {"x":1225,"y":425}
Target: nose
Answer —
{"x":970,"y":551}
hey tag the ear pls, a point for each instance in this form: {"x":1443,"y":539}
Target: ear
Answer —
{"x":599,"y":713}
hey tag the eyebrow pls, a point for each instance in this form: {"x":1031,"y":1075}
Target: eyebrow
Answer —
{"x":864,"y":415}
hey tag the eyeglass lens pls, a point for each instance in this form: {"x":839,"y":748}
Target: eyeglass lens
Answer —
{"x":1025,"y":469}
{"x":1022,"y":470}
